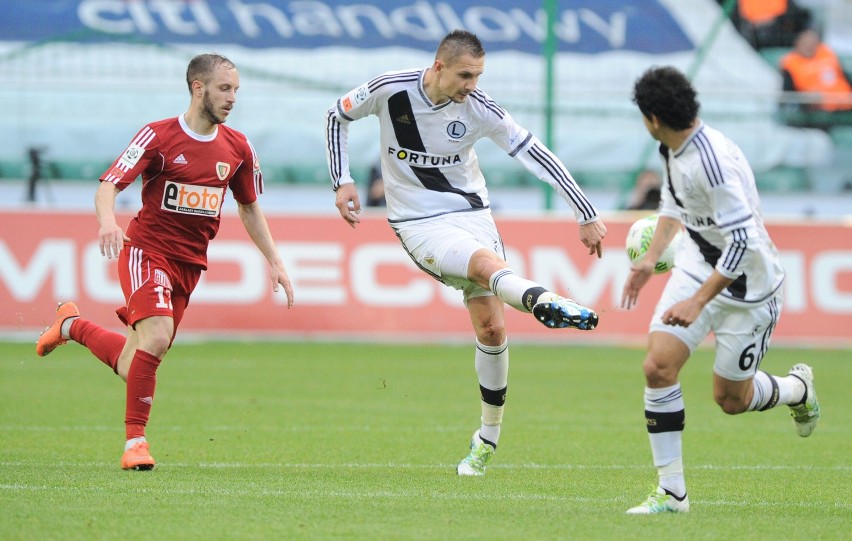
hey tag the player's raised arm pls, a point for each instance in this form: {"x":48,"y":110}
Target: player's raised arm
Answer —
{"x":643,"y":269}
{"x":542,"y":163}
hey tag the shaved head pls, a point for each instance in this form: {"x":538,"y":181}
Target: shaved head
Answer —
{"x":459,"y":43}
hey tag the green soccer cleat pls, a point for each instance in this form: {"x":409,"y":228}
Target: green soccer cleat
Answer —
{"x":805,"y":415}
{"x":477,"y":460}
{"x":661,"y":501}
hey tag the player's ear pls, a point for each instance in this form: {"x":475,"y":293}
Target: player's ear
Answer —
{"x":197,"y":88}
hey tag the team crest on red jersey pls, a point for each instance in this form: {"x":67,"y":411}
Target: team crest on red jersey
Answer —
{"x":222,"y":170}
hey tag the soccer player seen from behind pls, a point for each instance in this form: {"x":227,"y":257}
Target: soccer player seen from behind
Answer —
{"x":437,"y":203}
{"x":187,"y":164}
{"x":726,"y":281}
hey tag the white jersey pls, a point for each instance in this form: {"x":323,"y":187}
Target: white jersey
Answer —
{"x":429,"y":166}
{"x":710,"y":187}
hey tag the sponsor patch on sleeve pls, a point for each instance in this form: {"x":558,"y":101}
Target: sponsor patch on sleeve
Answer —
{"x":116,"y":172}
{"x":355,"y":98}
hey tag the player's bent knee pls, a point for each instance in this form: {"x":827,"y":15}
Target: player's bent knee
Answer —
{"x":156,"y":344}
{"x":732,"y":405}
{"x":659,"y":373}
{"x":491,"y":335}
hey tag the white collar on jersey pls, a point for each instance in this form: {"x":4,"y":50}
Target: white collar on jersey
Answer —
{"x":197,"y":136}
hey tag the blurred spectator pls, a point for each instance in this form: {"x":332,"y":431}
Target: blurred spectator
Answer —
{"x":812,"y":67}
{"x":35,"y":155}
{"x":646,"y":191}
{"x":770,"y":23}
{"x":376,"y":187}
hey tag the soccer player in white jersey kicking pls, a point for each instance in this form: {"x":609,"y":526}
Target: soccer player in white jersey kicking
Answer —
{"x":726,"y":281}
{"x":437,"y":203}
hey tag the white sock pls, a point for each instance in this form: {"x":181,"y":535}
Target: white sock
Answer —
{"x":492,"y":369}
{"x":514,"y":290}
{"x":667,"y":446}
{"x":490,"y":433}
{"x":65,"y":329}
{"x":133,"y":441}
{"x":771,"y":391}
{"x":671,"y":478}
{"x":791,"y":390}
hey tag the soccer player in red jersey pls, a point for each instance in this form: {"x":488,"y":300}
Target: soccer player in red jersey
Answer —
{"x":186,"y":164}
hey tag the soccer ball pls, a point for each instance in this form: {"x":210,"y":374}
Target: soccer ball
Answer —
{"x":639,"y":238}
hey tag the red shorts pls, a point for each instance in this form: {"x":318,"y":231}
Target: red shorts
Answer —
{"x":154,"y":285}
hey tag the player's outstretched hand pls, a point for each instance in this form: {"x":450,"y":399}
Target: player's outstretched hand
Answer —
{"x":640,"y":273}
{"x":111,"y":239}
{"x":682,"y":314}
{"x":591,"y":235}
{"x":348,"y":203}
{"x":279,"y":277}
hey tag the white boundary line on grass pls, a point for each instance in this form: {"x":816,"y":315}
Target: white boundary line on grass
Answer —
{"x":404,"y":465}
{"x":298,"y":492}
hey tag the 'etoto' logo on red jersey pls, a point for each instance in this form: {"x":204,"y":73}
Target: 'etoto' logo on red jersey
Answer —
{"x":189,"y":199}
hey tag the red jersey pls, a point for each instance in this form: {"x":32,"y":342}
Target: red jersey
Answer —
{"x":184,"y":179}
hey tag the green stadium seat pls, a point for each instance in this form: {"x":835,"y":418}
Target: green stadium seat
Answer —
{"x":773,"y":55}
{"x":14,"y":169}
{"x":842,"y":138}
{"x":783,"y":179}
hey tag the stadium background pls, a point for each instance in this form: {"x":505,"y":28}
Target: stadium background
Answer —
{"x":82,"y":76}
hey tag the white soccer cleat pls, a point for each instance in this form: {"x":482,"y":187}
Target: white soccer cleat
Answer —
{"x":661,"y":501}
{"x":475,"y":462}
{"x":805,"y":415}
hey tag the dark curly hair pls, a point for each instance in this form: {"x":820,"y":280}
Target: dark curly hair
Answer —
{"x":667,"y":94}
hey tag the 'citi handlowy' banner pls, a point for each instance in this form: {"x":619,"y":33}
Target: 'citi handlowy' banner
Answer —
{"x":606,"y":25}
{"x":360,"y":284}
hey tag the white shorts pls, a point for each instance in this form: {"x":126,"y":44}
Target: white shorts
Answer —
{"x":742,"y":331}
{"x":443,"y":246}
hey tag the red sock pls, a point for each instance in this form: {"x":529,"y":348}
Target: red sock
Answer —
{"x":105,"y":345}
{"x":141,"y":381}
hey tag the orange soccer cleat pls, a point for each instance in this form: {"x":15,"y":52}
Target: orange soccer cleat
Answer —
{"x":138,"y":457}
{"x":51,"y":338}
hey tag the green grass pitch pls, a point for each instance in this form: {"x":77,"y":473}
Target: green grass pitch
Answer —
{"x":360,"y":441}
